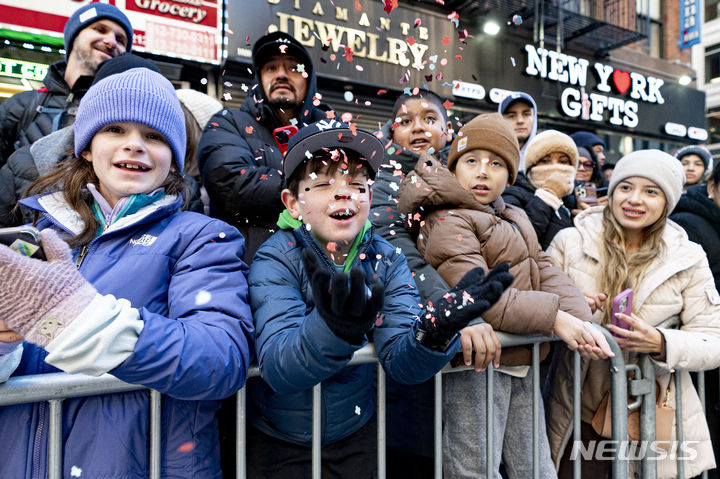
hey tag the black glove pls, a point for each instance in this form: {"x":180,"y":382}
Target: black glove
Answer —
{"x":346,"y":304}
{"x":474,"y":294}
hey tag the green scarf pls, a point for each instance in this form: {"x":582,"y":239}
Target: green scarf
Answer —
{"x":287,"y":222}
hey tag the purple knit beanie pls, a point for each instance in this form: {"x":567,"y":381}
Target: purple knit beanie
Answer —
{"x":138,"y":95}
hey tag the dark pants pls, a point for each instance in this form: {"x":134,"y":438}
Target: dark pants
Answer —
{"x":352,"y":457}
{"x":592,"y":468}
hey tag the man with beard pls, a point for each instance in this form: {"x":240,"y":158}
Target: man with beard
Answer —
{"x":94,"y":33}
{"x":240,"y":161}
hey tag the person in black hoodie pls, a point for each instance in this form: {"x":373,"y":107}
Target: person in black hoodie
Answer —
{"x":545,"y":189}
{"x":240,"y":162}
{"x":698,"y":212}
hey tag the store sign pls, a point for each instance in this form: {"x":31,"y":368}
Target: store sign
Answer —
{"x":20,"y":69}
{"x":603,"y":104}
{"x":359,"y":42}
{"x":189,"y":29}
{"x":468,"y":90}
{"x":690,"y":23}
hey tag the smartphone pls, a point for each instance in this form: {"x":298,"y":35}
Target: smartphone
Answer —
{"x":24,"y":240}
{"x":282,"y":136}
{"x":587,"y":193}
{"x":602,"y":191}
{"x":622,"y":304}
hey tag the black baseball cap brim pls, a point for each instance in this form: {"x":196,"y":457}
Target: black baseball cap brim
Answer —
{"x":330,"y":134}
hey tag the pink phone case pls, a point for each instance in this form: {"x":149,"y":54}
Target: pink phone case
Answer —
{"x":622,"y":304}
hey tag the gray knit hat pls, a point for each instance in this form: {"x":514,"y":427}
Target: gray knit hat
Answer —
{"x":202,"y":106}
{"x":657,"y":166}
{"x":703,"y":153}
{"x":138,"y":95}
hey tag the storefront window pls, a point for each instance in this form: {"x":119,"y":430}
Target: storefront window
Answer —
{"x":712,"y":9}
{"x":712,"y":64}
{"x":713,"y":125}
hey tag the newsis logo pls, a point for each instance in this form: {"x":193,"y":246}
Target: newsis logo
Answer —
{"x":608,"y":450}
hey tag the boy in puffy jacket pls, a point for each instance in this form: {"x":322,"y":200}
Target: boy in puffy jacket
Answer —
{"x":320,"y":289}
{"x":463,"y":223}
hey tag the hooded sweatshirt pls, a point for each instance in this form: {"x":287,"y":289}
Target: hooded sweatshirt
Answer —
{"x":503,"y":106}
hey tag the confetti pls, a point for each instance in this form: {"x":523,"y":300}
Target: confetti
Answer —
{"x":517,"y":19}
{"x":202,"y":297}
{"x":358,"y":7}
{"x":249,"y":130}
{"x":346,"y":117}
{"x":348,"y":96}
{"x":359,"y":68}
{"x":75,"y":471}
{"x":410,"y":41}
{"x":448,"y":104}
{"x":186,"y":446}
{"x":332,"y":246}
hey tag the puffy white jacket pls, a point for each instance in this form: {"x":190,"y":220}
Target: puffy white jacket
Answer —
{"x":678,"y":282}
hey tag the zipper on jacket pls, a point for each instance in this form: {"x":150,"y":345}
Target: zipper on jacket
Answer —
{"x":38,"y":441}
{"x":81,"y":256}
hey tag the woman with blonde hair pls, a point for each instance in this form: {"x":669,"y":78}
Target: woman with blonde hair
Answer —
{"x":631,"y":244}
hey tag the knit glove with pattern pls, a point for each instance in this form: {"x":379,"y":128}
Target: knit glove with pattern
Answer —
{"x":39,"y":299}
{"x":474,"y":294}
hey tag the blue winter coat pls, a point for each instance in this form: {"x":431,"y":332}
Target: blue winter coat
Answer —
{"x":195,"y":347}
{"x":296,"y":348}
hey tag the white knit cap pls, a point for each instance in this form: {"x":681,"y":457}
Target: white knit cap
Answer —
{"x":202,"y":106}
{"x":550,"y":141}
{"x":657,"y":166}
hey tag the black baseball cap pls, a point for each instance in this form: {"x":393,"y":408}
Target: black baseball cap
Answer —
{"x":330,"y":134}
{"x":272,"y":44}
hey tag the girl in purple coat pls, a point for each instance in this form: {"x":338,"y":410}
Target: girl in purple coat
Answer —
{"x":149,"y":294}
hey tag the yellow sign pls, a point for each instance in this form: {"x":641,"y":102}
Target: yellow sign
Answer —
{"x":21,"y":69}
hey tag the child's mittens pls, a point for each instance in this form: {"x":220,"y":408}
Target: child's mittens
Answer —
{"x":474,"y":294}
{"x":38,"y":298}
{"x":346,"y":304}
{"x":559,"y":184}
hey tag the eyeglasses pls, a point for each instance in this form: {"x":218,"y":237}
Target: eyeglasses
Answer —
{"x":586,"y":165}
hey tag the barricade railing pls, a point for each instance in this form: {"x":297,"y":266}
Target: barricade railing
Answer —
{"x":56,"y":387}
{"x":643,"y":387}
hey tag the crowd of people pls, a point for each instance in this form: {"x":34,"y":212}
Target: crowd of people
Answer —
{"x":184,"y":240}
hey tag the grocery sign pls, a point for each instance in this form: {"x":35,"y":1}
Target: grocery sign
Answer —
{"x":189,"y":29}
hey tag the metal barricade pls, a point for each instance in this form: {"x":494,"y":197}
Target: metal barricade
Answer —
{"x":56,"y":387}
{"x":643,"y":386}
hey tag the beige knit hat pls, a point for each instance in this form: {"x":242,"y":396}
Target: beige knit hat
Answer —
{"x":489,"y":131}
{"x":550,"y":141}
{"x":202,"y":106}
{"x":657,"y":166}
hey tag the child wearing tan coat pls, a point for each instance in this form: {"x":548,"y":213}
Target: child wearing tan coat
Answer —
{"x":462,"y":222}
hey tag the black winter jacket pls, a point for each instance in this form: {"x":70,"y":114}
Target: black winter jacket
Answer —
{"x":57,"y":101}
{"x":545,"y":219}
{"x":384,"y":216}
{"x":700,"y":217}
{"x":241,"y":165}
{"x":409,"y":407}
{"x":30,"y":162}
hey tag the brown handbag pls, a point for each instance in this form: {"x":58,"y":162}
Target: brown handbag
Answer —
{"x":664,"y":416}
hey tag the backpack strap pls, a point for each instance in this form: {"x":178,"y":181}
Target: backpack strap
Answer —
{"x":30,"y":113}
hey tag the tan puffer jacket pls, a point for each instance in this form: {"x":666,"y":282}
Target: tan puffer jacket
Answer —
{"x":678,"y":282}
{"x":457,"y":234}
